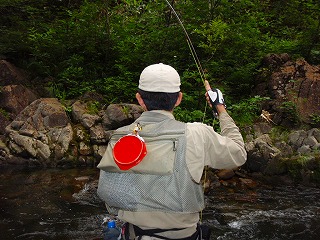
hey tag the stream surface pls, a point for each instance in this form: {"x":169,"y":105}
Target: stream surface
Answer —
{"x":60,"y":204}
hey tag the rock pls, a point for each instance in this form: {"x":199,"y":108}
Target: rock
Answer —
{"x":98,"y":135}
{"x":286,"y":150}
{"x":312,"y":163}
{"x":98,"y":151}
{"x":316,"y":147}
{"x":264,"y":145}
{"x":84,"y":149}
{"x":4,"y":152}
{"x":315,"y":132}
{"x":261,"y":128}
{"x":78,"y":109}
{"x":15,"y":98}
{"x":249,"y":183}
{"x":41,"y":131}
{"x":226,"y":174}
{"x":89,"y":120}
{"x":117,"y":115}
{"x":87,"y":161}
{"x":275,"y":166}
{"x":80,"y":113}
{"x":305,"y":149}
{"x":260,"y":152}
{"x":296,"y":138}
{"x":250,"y":146}
{"x":4,"y":121}
{"x":10,"y":74}
{"x":291,"y":85}
{"x":275,"y":60}
{"x":263,"y":139}
{"x":255,"y":162}
{"x":80,"y":133}
{"x":310,"y":141}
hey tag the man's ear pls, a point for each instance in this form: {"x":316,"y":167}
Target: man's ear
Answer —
{"x":179,"y":99}
{"x":140,"y":101}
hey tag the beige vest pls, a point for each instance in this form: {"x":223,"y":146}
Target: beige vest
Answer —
{"x":161,"y":182}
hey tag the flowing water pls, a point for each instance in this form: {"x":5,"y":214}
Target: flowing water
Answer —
{"x":61,"y":204}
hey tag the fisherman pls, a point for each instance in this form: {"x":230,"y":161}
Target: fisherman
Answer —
{"x":161,"y":196}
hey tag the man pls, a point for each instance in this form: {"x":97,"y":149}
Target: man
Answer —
{"x":161,"y":196}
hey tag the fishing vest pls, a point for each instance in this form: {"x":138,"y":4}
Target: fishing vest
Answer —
{"x":161,"y":181}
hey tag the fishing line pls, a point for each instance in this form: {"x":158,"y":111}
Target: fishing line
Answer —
{"x":193,"y":52}
{"x":190,"y":45}
{"x":202,"y":76}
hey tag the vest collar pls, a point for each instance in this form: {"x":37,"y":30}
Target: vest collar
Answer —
{"x":158,"y":115}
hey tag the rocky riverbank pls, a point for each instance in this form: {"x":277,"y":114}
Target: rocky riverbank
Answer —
{"x":284,"y":143}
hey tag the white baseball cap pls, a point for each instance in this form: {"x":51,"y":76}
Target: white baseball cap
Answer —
{"x":159,"y":78}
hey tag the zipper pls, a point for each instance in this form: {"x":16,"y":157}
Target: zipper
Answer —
{"x":151,"y":138}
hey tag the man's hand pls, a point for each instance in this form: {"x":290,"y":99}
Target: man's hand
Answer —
{"x":215,"y":98}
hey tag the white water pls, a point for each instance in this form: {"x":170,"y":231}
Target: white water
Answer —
{"x":280,"y":213}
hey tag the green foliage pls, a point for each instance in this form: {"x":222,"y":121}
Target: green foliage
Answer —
{"x":73,"y":49}
{"x":279,"y":133}
{"x":302,"y":166}
{"x":215,"y":34}
{"x":289,"y":108}
{"x":103,"y":45}
{"x":206,"y":117}
{"x":236,"y":40}
{"x":57,"y":91}
{"x":93,"y":107}
{"x":4,"y":113}
{"x":187,"y":116}
{"x":247,"y":111}
{"x":315,"y":120}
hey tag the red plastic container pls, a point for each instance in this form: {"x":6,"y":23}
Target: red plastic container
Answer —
{"x":129,"y":151}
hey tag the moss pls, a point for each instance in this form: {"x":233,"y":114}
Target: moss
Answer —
{"x":279,"y":133}
{"x":93,"y":107}
{"x":290,"y":111}
{"x":301,"y":167}
{"x":315,"y":120}
{"x":126,"y":110}
{"x":4,"y":113}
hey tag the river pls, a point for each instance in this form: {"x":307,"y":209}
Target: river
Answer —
{"x":60,"y":204}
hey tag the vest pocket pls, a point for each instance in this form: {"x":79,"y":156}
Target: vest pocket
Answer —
{"x":160,"y":158}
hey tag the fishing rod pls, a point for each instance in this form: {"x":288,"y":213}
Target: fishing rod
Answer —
{"x":212,"y":95}
{"x":192,"y":50}
{"x":202,"y":76}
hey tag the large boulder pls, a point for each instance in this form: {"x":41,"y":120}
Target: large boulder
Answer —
{"x":94,"y":128}
{"x":294,"y":87}
{"x":41,"y":131}
{"x":10,"y":74}
{"x":117,"y":115}
{"x":261,"y":152}
{"x":14,"y":98}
